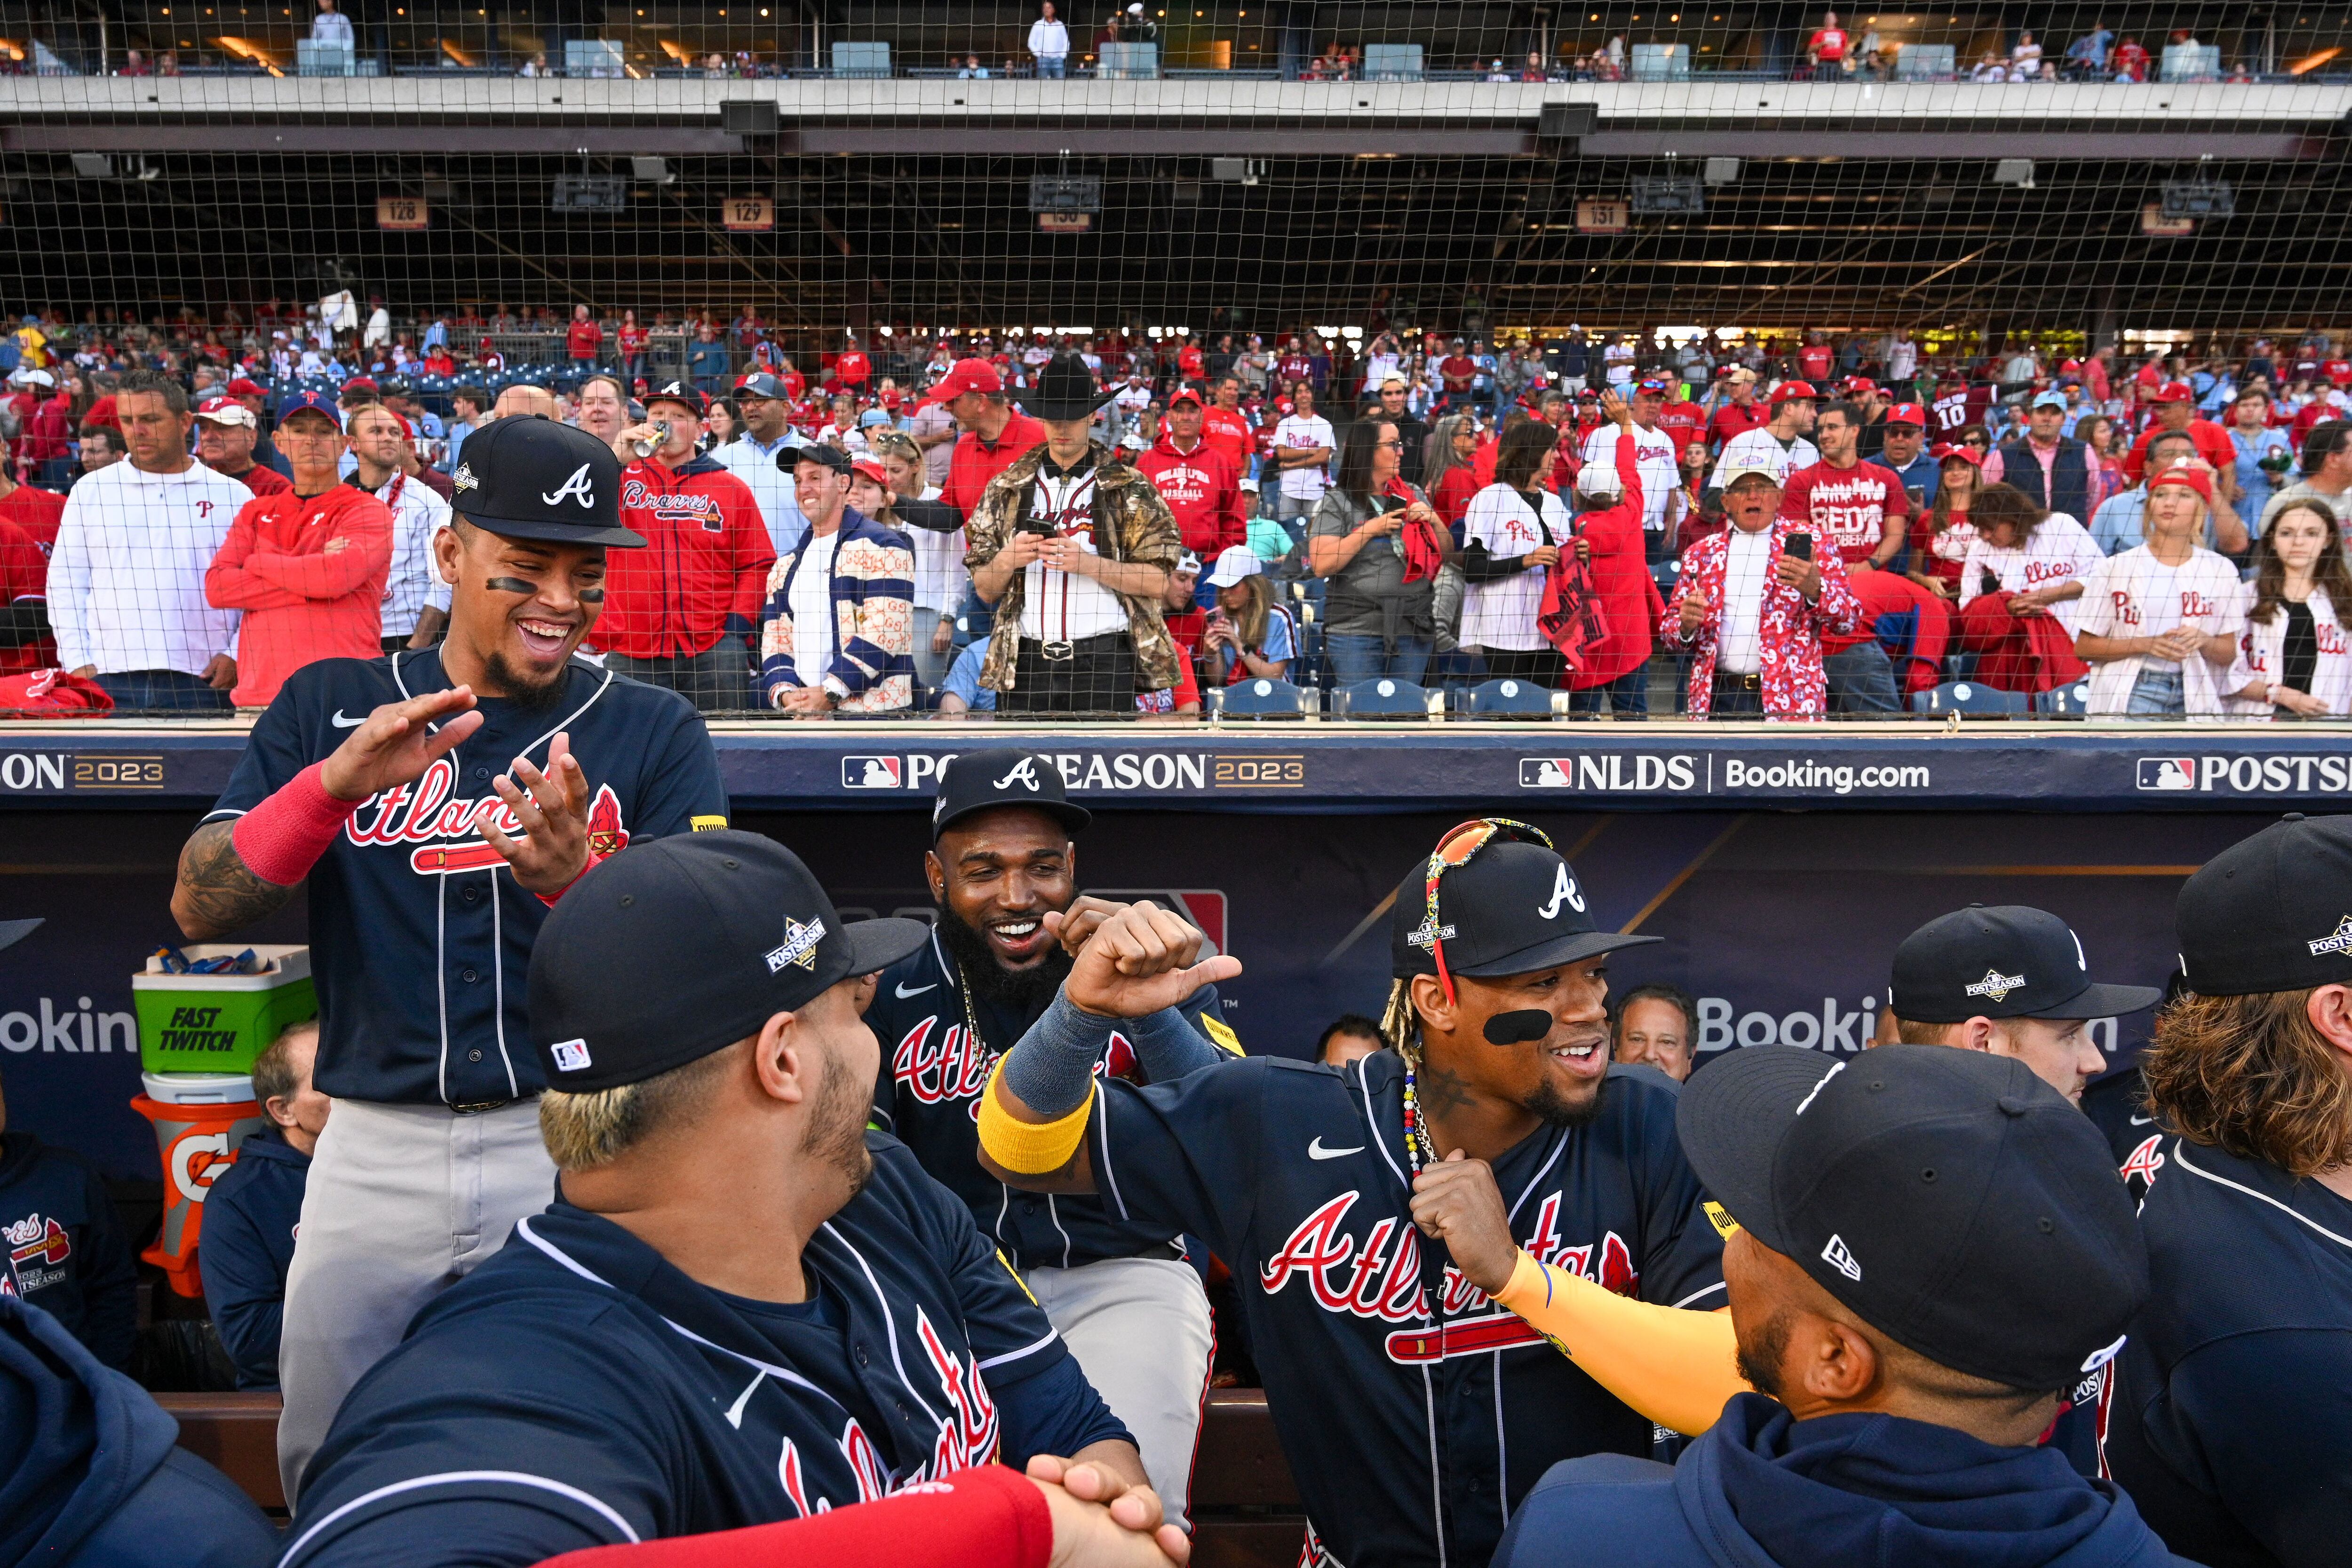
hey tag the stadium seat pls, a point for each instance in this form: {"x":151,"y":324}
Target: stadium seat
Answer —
{"x":1507,"y":698}
{"x":1258,"y":699}
{"x":1967,"y":698}
{"x":2066,"y":702}
{"x":1382,"y":698}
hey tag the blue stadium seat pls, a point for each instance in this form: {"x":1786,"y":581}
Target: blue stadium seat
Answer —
{"x":1516,"y":699}
{"x":1257,"y":699}
{"x":2067,"y":702}
{"x":1384,"y":697}
{"x":1967,"y":698}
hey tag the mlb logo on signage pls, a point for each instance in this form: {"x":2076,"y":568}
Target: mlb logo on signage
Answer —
{"x":2168,"y":773}
{"x":873,"y":773}
{"x":1203,"y":907}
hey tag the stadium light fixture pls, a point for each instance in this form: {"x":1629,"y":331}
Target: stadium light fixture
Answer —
{"x":2015,"y":172}
{"x":1722,"y":170}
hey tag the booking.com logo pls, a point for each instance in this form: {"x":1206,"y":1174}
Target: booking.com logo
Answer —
{"x":1839,"y":777}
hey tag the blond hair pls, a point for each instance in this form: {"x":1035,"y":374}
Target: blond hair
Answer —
{"x":584,"y":1130}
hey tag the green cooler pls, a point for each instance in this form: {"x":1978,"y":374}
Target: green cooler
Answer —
{"x":219,"y":1023}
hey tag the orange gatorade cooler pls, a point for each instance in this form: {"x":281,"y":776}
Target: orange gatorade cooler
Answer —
{"x":200,"y":1119}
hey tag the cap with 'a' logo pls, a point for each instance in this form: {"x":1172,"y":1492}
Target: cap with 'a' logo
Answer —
{"x":2271,"y":913}
{"x":1954,"y":1201}
{"x":1513,"y":909}
{"x":975,"y":782}
{"x":680,"y":946}
{"x":527,"y":478}
{"x":2002,"y":961}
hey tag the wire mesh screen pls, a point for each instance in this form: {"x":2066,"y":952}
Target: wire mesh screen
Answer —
{"x":1979,"y":296}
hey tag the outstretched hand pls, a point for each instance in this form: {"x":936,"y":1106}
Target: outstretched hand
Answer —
{"x":1138,"y":961}
{"x":396,"y":743}
{"x":553,"y":807}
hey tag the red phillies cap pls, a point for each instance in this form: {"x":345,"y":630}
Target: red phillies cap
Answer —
{"x":243,"y":387}
{"x":871,"y":470}
{"x":2182,"y":473}
{"x":967,"y":376}
{"x":1788,"y":391}
{"x":1948,"y":451}
{"x":1858,"y":385}
{"x":359,"y":384}
{"x":1908,"y":413}
{"x":2174,"y":391}
{"x":1185,"y":394}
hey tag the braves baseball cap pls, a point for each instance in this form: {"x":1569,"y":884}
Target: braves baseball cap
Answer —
{"x":983,"y":780}
{"x":309,"y":402}
{"x":2002,"y":961}
{"x":1514,"y":908}
{"x":225,"y":411}
{"x":2271,"y":913}
{"x":762,"y":385}
{"x":2053,"y":398}
{"x":732,"y":926}
{"x":687,"y":397}
{"x":966,"y":376}
{"x":527,"y":478}
{"x":1951,"y":1200}
{"x":1908,"y":413}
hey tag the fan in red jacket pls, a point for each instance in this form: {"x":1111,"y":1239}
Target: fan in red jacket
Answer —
{"x":1196,"y":480}
{"x":681,"y":613}
{"x":24,"y":640}
{"x":1609,"y":533}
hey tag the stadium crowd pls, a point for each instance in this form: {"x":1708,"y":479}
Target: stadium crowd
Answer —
{"x":1794,"y":525}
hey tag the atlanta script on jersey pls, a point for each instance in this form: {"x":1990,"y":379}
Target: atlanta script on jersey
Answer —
{"x":1415,"y":1413}
{"x":577,"y":1390}
{"x":420,"y":937}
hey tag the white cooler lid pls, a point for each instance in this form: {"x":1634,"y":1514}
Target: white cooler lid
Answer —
{"x":198,"y":1088}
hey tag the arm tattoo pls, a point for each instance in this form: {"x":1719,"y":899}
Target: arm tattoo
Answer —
{"x":1444,"y":1090}
{"x":216,"y":890}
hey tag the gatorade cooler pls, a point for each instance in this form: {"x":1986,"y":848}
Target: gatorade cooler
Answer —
{"x":219,"y":1023}
{"x":200,"y":1119}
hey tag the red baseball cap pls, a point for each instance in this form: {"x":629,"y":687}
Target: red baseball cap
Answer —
{"x":1858,"y":385}
{"x":1655,"y":385}
{"x":2182,"y":473}
{"x":243,"y":387}
{"x":1908,"y":413}
{"x":359,"y":384}
{"x":966,"y":376}
{"x":1185,"y":394}
{"x":2174,"y":391}
{"x":871,"y":470}
{"x":1788,"y":391}
{"x":1946,"y":452}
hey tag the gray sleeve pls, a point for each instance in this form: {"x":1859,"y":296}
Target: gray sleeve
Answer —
{"x":1053,"y":1067}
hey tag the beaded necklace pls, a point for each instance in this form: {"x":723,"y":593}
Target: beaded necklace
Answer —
{"x":1418,"y":1148}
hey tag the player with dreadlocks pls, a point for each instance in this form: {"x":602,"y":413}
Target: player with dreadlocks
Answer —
{"x":1415,"y":1412}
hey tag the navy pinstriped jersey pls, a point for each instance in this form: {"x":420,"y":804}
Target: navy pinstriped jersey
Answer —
{"x":420,"y":939}
{"x":1414,"y":1411}
{"x":577,"y":1390}
{"x":928,"y":1094}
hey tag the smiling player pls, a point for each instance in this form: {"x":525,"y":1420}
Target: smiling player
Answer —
{"x":437,"y":803}
{"x":1414,"y":1411}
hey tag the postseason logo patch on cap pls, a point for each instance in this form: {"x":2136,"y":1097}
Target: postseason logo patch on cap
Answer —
{"x":2336,"y":940}
{"x":800,"y":945}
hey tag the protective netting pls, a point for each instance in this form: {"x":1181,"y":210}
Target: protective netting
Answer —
{"x":1506,"y":208}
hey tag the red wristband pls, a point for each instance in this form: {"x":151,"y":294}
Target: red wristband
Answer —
{"x":281,"y":839}
{"x":594,"y":859}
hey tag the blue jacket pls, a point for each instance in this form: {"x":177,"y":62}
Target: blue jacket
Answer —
{"x":90,"y":1472}
{"x":1763,"y":1491}
{"x":247,"y":1246}
{"x":62,"y":1248}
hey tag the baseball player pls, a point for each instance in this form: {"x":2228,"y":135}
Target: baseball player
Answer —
{"x":742,"y":1306}
{"x":1413,"y":1411}
{"x":2228,"y":1414}
{"x":1002,"y":872}
{"x":435,"y":803}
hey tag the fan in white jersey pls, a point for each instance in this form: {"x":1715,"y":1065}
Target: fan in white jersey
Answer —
{"x":2295,"y":657}
{"x":1779,"y":446}
{"x":2041,"y":560}
{"x":2160,"y":622}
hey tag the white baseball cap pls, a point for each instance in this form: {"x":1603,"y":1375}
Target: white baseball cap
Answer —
{"x":1188,"y":562}
{"x":1729,"y":477}
{"x":1234,"y":563}
{"x":1599,"y":481}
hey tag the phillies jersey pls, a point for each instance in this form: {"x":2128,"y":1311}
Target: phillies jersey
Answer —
{"x":1847,"y":507}
{"x":1202,"y":489}
{"x":1414,"y":1411}
{"x":578,"y":1390}
{"x":933,"y":1071}
{"x":420,"y":938}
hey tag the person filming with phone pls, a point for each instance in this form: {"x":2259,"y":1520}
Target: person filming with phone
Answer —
{"x":1753,"y":605}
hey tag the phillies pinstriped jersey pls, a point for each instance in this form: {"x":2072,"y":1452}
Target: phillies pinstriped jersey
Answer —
{"x":577,"y":1390}
{"x":1415,"y":1412}
{"x":419,"y":936}
{"x":933,"y":1070}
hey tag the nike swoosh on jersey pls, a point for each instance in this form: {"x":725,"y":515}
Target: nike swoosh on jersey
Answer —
{"x":903,"y":993}
{"x":2143,"y":1121}
{"x":340,"y":722}
{"x":1316,"y":1151}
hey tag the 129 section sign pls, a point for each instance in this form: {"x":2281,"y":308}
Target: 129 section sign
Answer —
{"x":750,"y":215}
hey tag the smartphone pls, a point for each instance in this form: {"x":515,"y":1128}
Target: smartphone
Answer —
{"x":1801,"y":546}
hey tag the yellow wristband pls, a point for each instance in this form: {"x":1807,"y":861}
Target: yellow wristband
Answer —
{"x":1030,"y":1149}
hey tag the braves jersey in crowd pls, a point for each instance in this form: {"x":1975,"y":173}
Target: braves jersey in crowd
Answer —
{"x":577,"y":1390}
{"x":2229,"y":1413}
{"x":65,"y":1250}
{"x":419,"y":936}
{"x":703,"y":572}
{"x":933,"y":1071}
{"x":1414,"y":1411}
{"x":1846,"y":507}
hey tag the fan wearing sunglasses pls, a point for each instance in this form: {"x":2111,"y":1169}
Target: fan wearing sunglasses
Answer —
{"x":1415,"y":1411}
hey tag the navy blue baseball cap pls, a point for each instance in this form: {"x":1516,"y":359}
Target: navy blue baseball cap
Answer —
{"x":1514,"y":909}
{"x":762,"y":385}
{"x":2003,"y":961}
{"x":682,"y":393}
{"x":2271,"y":912}
{"x":1951,"y":1198}
{"x":974,"y":781}
{"x":683,"y":946}
{"x":527,"y":478}
{"x":309,"y":403}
